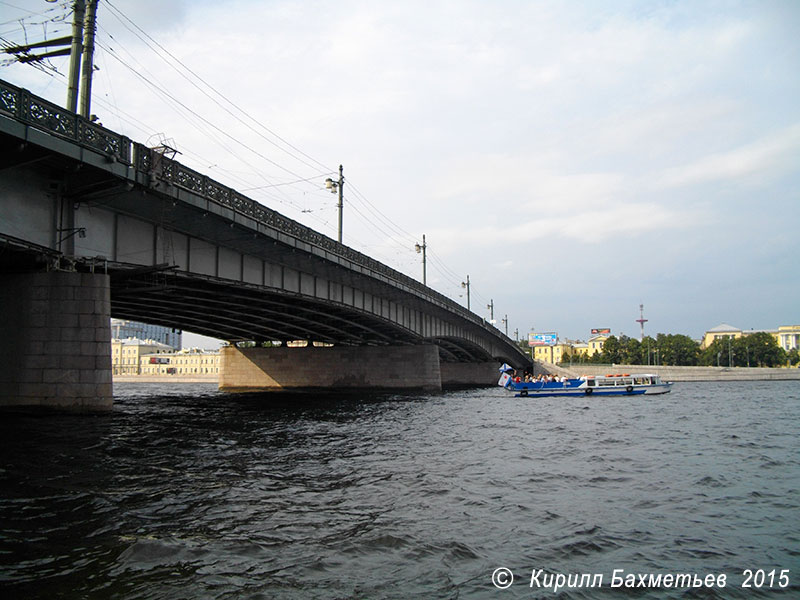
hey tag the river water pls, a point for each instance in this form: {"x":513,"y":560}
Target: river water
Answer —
{"x":185,"y":492}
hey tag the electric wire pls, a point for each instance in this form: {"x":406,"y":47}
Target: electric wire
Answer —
{"x":160,"y":89}
{"x":227,"y":100}
{"x":165,"y":94}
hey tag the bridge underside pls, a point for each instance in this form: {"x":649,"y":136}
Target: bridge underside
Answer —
{"x":176,"y":299}
{"x":59,"y":353}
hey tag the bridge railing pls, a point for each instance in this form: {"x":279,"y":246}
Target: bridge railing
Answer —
{"x":51,"y":118}
{"x":45,"y":115}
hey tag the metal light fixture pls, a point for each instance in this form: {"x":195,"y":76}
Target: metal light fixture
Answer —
{"x":337,"y":186}
{"x":465,"y":284}
{"x":422,"y":249}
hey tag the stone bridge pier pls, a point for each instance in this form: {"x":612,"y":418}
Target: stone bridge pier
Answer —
{"x":55,"y":341}
{"x":341,"y":368}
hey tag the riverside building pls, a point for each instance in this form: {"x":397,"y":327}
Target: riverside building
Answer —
{"x":187,"y":362}
{"x":787,"y":336}
{"x":126,"y":354}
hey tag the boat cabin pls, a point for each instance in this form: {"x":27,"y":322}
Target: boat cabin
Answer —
{"x":622,"y":380}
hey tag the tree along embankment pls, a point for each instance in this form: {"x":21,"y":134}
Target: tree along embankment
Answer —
{"x":678,"y":373}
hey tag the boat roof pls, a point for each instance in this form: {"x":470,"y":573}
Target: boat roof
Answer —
{"x":628,"y":375}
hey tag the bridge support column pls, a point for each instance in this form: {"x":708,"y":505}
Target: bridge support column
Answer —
{"x":333,"y":369}
{"x":469,"y":374}
{"x":55,"y":345}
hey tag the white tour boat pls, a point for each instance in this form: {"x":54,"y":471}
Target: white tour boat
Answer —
{"x":599,"y":385}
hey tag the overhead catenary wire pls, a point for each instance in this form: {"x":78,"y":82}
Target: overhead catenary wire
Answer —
{"x":250,"y":118}
{"x":217,"y":131}
{"x":161,"y":90}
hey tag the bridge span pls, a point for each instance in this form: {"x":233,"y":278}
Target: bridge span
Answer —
{"x":93,"y":225}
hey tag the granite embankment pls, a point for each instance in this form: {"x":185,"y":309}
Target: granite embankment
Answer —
{"x":166,"y":378}
{"x":678,"y":373}
{"x":666,"y":373}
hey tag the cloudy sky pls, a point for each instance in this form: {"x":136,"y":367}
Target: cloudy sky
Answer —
{"x":574,"y":159}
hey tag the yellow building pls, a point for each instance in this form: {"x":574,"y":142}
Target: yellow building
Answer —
{"x":719,"y":332}
{"x":595,"y":344}
{"x":788,"y":337}
{"x":184,"y":362}
{"x":551,"y":354}
{"x":126,"y":354}
{"x":580,"y":349}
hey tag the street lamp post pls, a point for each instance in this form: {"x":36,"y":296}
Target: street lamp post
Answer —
{"x":465,"y":284}
{"x":730,"y":354}
{"x":505,"y":323}
{"x":423,"y":248}
{"x":335,"y":186}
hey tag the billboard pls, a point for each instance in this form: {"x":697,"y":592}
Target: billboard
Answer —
{"x":542,"y":339}
{"x":601,"y":330}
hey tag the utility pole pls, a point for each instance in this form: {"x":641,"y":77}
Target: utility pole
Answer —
{"x":75,"y":51}
{"x":490,"y":306}
{"x":79,"y":10}
{"x":335,"y":186}
{"x":730,"y":353}
{"x":465,"y":284}
{"x":87,"y":67}
{"x":422,"y":249}
{"x":505,"y":322}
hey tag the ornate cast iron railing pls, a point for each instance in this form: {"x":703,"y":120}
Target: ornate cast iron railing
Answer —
{"x":50,"y":117}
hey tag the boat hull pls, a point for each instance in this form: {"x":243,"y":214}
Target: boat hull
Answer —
{"x":663,"y":388}
{"x":610,"y":385}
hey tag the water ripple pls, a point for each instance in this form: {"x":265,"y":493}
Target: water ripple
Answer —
{"x":189,"y":493}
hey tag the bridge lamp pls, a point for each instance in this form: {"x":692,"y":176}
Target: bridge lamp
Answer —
{"x":465,"y":284}
{"x":335,"y":186}
{"x":422,"y":249}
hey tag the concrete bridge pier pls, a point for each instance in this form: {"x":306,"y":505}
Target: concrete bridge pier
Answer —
{"x":55,"y":341}
{"x":330,"y":368}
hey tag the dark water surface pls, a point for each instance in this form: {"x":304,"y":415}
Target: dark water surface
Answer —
{"x":188,"y":493}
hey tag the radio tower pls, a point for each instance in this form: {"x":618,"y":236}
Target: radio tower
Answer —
{"x":641,"y":321}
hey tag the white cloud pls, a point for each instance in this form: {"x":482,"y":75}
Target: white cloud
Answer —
{"x":773,"y":155}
